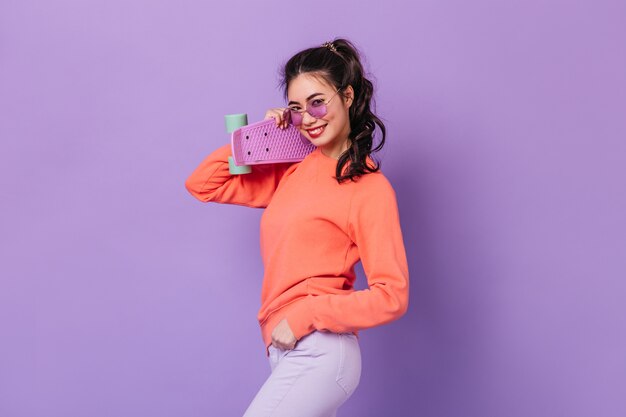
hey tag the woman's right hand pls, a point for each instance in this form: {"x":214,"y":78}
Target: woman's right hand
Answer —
{"x":277,"y":114}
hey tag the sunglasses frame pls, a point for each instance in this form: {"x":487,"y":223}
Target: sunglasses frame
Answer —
{"x":289,"y":114}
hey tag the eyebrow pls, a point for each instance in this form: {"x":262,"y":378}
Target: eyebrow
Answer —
{"x":307,"y":99}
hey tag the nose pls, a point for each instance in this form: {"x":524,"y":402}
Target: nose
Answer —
{"x":307,"y":119}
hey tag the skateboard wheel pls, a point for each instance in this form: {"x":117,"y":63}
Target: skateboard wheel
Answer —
{"x":237,"y":169}
{"x":235,"y":121}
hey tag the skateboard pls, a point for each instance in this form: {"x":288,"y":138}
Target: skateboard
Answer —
{"x":263,"y":143}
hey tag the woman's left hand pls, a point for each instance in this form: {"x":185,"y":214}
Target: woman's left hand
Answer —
{"x":282,"y":336}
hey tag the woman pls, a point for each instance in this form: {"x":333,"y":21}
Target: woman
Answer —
{"x":322,"y":215}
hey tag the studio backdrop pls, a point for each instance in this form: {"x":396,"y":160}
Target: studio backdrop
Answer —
{"x":122,"y":295}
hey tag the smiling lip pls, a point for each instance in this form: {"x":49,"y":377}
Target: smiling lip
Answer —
{"x":317,"y":134}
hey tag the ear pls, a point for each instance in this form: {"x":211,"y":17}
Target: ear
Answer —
{"x":348,"y":94}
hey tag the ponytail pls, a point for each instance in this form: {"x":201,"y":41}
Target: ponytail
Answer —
{"x":338,"y":62}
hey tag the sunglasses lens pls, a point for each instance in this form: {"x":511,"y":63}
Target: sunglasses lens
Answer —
{"x":317,"y":111}
{"x":296,"y":118}
{"x":291,"y":117}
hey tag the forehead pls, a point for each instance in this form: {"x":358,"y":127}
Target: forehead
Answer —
{"x":306,"y":84}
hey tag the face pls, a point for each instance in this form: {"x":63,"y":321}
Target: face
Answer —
{"x":331,"y":130}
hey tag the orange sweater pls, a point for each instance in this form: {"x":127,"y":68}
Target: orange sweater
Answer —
{"x":313,"y":231}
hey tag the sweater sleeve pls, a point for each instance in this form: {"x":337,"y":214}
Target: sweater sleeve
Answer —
{"x":211,"y":181}
{"x":374,"y":227}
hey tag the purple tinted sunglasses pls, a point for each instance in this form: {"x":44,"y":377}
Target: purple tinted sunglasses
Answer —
{"x":315,"y":107}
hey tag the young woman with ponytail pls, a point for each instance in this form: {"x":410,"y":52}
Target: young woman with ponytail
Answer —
{"x":322,"y":215}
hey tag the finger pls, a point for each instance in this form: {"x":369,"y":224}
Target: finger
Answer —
{"x":280,"y":120}
{"x":284,"y":123}
{"x":271,"y":114}
{"x":283,"y":346}
{"x":277,"y":115}
{"x":277,"y":118}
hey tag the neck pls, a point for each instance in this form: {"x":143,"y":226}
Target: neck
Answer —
{"x":336,"y":150}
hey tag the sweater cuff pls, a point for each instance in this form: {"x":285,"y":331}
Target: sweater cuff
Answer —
{"x":300,"y":317}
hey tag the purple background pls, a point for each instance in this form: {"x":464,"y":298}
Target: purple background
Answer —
{"x":121,"y":295}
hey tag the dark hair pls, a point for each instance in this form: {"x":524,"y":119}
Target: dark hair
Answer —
{"x":342,"y":67}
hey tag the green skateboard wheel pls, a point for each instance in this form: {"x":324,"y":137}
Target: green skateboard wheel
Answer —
{"x":238,"y":169}
{"x":235,"y":121}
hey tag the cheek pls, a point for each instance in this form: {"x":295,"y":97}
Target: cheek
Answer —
{"x":340,"y":119}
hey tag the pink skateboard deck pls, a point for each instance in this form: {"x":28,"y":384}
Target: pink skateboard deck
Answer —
{"x":264,"y":143}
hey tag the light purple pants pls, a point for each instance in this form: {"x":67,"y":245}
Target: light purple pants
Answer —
{"x":311,"y":380}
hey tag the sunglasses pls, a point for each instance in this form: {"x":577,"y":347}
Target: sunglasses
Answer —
{"x":315,"y":107}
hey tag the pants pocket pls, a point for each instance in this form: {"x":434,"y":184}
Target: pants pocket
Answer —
{"x":303,"y":348}
{"x":349,"y":369}
{"x":273,"y":358}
